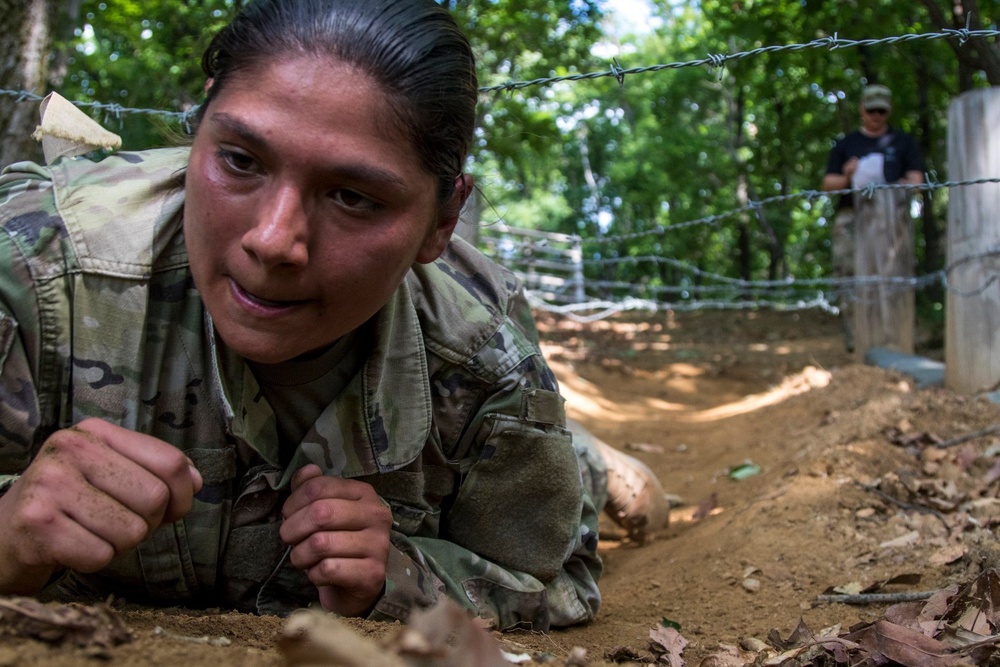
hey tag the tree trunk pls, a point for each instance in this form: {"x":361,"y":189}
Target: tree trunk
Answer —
{"x":25,"y":42}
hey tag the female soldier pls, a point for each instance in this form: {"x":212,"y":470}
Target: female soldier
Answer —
{"x":256,"y":374}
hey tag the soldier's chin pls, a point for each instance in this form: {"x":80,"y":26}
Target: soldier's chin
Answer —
{"x":270,"y":349}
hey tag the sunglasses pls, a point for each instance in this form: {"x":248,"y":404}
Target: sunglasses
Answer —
{"x":877,"y":112}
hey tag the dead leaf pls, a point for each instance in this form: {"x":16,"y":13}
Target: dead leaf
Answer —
{"x":645,"y":447}
{"x":906,"y":540}
{"x":668,"y":645}
{"x":948,"y":554}
{"x":95,"y":627}
{"x":705,"y":507}
{"x":851,"y":588}
{"x":937,"y":605}
{"x":905,"y":579}
{"x":443,"y":635}
{"x":983,"y":509}
{"x":311,"y":638}
{"x":449,"y":632}
{"x":911,"y":615}
{"x":907,"y":647}
{"x":977,"y":607}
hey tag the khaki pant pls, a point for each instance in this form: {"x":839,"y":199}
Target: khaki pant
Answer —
{"x":842,"y":243}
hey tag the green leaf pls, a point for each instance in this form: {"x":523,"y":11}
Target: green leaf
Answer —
{"x":667,"y":623}
{"x":744,"y":470}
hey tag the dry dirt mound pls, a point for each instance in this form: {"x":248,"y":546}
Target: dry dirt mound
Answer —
{"x":802,"y":474}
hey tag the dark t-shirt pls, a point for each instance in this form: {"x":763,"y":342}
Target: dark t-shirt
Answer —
{"x":900,"y":150}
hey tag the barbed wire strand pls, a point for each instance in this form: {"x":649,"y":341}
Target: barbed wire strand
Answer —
{"x":615,"y":70}
{"x":719,"y":60}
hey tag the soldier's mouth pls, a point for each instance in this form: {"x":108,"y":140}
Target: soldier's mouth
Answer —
{"x":247,"y":297}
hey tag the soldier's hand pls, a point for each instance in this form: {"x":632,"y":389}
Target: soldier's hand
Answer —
{"x":339,"y":532}
{"x":93,"y":492}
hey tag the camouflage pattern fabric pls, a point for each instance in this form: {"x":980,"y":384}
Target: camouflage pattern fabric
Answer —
{"x":454,"y":418}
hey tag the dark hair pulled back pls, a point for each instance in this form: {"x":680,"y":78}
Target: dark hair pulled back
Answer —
{"x":412,"y":48}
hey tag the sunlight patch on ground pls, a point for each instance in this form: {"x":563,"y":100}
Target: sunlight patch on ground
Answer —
{"x":660,"y":404}
{"x":584,"y":398}
{"x":686,"y":370}
{"x":688,"y":514}
{"x":808,"y":379}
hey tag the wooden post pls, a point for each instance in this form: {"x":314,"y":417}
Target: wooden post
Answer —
{"x":972,"y":314}
{"x":884,"y":311}
{"x":531,"y":279}
{"x":576,"y":256}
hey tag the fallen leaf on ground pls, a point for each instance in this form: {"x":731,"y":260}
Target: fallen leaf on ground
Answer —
{"x":885,"y":640}
{"x":948,"y":554}
{"x":705,"y":507}
{"x":668,"y":645}
{"x":645,"y":447}
{"x":906,"y":540}
{"x":95,"y":627}
{"x":743,"y":470}
{"x":443,"y":635}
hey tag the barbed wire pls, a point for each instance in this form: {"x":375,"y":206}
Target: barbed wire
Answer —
{"x":780,"y":294}
{"x":719,"y":60}
{"x":605,"y":308}
{"x":753,"y":205}
{"x":715,"y":61}
{"x":111,"y":108}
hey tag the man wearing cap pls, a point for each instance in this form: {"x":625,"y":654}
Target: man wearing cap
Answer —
{"x":874,"y":153}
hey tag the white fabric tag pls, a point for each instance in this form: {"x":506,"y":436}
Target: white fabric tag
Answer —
{"x":870,"y":171}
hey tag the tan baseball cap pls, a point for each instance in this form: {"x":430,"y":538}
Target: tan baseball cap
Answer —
{"x":876,"y":97}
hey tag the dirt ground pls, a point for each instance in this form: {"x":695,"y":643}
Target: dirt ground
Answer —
{"x":851,"y":493}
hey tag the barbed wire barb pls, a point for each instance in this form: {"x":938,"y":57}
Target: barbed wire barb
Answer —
{"x":618,"y":72}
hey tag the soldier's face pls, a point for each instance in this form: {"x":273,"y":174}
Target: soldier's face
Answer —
{"x":304,"y":209}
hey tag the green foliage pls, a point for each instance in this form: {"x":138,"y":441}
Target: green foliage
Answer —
{"x":142,"y":55}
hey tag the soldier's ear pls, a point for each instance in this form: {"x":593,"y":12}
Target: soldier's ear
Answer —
{"x":208,"y":84}
{"x":437,"y":239}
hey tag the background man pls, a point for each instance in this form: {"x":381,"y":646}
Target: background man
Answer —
{"x":874,"y":153}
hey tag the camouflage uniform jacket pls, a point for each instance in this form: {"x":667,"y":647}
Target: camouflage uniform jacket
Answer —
{"x":454,"y":418}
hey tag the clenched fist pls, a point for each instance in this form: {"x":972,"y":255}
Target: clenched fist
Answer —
{"x":93,"y":492}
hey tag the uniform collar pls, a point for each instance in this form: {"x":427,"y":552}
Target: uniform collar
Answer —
{"x":379,"y":422}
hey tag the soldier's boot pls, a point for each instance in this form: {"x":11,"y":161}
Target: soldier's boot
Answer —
{"x":636,"y":500}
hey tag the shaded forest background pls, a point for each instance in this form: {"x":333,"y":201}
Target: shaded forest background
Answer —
{"x":597,"y":158}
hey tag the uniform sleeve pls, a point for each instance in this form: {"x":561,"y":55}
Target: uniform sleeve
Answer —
{"x":18,"y":402}
{"x":23,"y":196}
{"x":517,"y":543}
{"x":518,"y":547}
{"x":11,"y":453}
